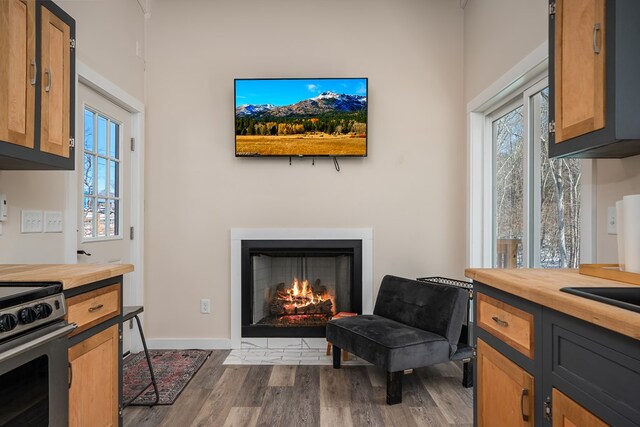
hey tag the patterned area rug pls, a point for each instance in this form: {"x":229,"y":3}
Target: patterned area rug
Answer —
{"x":173,"y":370}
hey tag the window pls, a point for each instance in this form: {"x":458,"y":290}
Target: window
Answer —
{"x":536,"y":200}
{"x":101,"y":177}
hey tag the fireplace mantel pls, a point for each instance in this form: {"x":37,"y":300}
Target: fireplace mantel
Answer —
{"x":240,"y":234}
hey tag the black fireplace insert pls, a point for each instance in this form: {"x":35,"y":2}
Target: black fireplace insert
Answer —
{"x":291,"y":288}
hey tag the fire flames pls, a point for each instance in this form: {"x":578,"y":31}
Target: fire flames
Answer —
{"x":301,"y":294}
{"x":301,"y":298}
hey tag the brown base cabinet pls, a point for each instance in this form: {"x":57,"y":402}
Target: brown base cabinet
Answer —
{"x":504,"y":390}
{"x":95,"y":349}
{"x":93,"y":395}
{"x":568,"y":373}
{"x":567,"y":413}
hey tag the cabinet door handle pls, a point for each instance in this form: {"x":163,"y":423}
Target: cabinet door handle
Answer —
{"x":34,"y":68}
{"x":525,"y":393}
{"x":70,"y":374}
{"x":96,"y":308}
{"x":596,"y":28}
{"x":47,"y":73}
{"x":500,"y":322}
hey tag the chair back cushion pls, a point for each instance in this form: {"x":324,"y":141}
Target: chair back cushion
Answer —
{"x":428,"y":306}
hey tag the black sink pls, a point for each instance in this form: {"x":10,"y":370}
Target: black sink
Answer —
{"x":628,"y":297}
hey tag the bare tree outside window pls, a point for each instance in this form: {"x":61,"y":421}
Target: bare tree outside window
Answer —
{"x":560,"y":200}
{"x":508,"y":136}
{"x":555,"y":194}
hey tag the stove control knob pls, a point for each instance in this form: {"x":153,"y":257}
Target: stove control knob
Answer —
{"x":8,"y":322}
{"x":43,"y":310}
{"x":27,"y":315}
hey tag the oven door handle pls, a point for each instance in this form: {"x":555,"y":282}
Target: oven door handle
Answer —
{"x":36,"y":342}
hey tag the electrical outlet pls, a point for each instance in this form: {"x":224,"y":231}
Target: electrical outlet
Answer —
{"x":612,"y":220}
{"x":205,"y":306}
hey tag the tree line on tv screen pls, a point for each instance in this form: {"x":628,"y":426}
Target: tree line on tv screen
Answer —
{"x":355,"y":123}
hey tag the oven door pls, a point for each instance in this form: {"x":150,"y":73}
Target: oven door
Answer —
{"x":34,"y":383}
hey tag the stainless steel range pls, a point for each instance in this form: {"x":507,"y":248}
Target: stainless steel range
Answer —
{"x":34,"y":376}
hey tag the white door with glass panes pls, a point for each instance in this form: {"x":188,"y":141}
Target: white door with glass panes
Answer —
{"x":103,"y":159}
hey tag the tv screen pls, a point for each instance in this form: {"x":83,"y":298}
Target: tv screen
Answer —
{"x":301,"y":117}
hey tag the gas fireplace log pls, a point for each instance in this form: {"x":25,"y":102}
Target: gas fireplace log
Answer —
{"x":280,"y":308}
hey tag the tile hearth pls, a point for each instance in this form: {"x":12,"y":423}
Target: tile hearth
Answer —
{"x":285,"y":351}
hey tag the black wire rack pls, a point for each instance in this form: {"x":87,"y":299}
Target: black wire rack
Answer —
{"x":449,"y":282}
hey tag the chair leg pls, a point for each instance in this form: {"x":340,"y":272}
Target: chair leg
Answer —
{"x":467,"y":374}
{"x":336,"y":356}
{"x":146,"y":353}
{"x":394,"y":387}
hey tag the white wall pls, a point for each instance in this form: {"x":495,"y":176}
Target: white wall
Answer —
{"x":498,"y":34}
{"x":410,"y":189}
{"x":616,"y":178}
{"x":106,"y":33}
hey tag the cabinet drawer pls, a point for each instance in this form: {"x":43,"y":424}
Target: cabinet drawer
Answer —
{"x":92,"y":308}
{"x":508,"y":323}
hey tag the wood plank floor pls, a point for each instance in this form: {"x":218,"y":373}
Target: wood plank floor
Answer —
{"x":244,"y":395}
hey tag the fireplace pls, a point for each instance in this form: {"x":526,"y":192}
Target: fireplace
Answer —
{"x":291,"y":288}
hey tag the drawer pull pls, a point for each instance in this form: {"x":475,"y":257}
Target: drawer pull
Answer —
{"x":525,"y":393}
{"x":500,"y":322}
{"x":96,"y":308}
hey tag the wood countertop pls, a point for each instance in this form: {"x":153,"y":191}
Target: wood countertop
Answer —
{"x":542,"y":286}
{"x":70,"y":275}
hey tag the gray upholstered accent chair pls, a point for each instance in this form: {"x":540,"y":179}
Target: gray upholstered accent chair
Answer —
{"x":414,"y":324}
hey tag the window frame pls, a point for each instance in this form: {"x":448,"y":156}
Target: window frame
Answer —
{"x":525,"y":77}
{"x":492,"y":116}
{"x":119,"y":187}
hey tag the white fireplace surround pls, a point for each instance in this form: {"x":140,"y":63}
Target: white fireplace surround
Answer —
{"x":240,"y":234}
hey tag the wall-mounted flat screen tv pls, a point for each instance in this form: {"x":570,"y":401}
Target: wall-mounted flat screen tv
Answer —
{"x":301,"y":117}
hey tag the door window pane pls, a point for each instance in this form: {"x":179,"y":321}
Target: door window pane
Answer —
{"x":113,"y":140}
{"x":102,"y":176}
{"x":88,"y":130}
{"x":87,"y":217}
{"x":102,"y":135}
{"x":508,"y":144}
{"x":87,"y":176}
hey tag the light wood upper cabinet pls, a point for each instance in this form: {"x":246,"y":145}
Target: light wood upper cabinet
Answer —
{"x":54,"y":91}
{"x":580,"y":52}
{"x":568,"y":413}
{"x":17,"y":71}
{"x":37,"y":78}
{"x":505,"y":391}
{"x":593,"y":67}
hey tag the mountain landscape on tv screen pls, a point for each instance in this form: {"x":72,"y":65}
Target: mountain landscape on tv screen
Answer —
{"x":326,"y":102}
{"x":330,"y":124}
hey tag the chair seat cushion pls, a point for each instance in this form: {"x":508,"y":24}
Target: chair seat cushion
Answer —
{"x":387,"y":343}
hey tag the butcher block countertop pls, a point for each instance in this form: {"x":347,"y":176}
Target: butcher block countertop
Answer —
{"x":70,"y":275}
{"x":542,"y":286}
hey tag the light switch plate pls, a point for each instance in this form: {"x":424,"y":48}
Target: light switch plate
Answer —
{"x":31,"y":221}
{"x":53,"y":222}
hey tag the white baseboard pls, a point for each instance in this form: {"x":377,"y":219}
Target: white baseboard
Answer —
{"x":189,"y":343}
